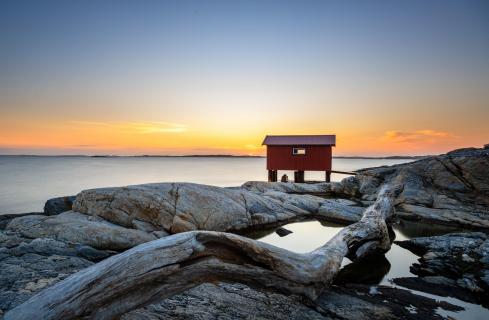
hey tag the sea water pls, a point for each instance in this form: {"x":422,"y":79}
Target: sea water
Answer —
{"x":26,"y":182}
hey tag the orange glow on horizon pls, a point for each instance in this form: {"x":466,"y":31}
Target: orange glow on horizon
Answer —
{"x":168,"y":138}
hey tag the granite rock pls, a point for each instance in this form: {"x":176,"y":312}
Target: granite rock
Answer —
{"x":457,"y":260}
{"x":76,"y":228}
{"x":58,"y":205}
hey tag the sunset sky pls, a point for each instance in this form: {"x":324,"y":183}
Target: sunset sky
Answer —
{"x":214,"y":77}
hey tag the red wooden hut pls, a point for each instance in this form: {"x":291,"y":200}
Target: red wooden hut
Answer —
{"x":299,"y":153}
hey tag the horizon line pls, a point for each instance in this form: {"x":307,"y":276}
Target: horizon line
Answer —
{"x":204,"y":156}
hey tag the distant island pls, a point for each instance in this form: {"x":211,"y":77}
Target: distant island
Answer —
{"x":386,"y":157}
{"x":210,"y":156}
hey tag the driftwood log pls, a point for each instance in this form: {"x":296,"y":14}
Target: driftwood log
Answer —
{"x":162,"y":268}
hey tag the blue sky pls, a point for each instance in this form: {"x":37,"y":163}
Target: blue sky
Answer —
{"x":219,"y":65}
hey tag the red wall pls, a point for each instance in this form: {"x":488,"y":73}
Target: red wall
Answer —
{"x":317,"y":158}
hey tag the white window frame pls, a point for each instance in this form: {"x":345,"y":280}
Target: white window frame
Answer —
{"x":298,"y":151}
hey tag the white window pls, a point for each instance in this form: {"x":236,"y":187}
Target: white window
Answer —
{"x":298,"y":151}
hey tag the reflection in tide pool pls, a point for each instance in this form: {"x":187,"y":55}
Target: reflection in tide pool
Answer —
{"x":306,"y":236}
{"x":310,"y":235}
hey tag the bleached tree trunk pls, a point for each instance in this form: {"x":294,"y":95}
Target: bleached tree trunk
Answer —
{"x":162,"y":268}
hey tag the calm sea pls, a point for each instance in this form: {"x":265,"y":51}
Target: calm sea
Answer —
{"x":27,"y":182}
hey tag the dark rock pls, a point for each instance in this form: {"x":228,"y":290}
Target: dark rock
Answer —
{"x":93,"y":254}
{"x":461,"y":258}
{"x":413,"y":229}
{"x":59,"y":205}
{"x":355,"y":301}
{"x":378,"y":267}
{"x":282,"y":232}
{"x":237,"y":301}
{"x":440,"y":286}
{"x":27,"y":266}
{"x":226,"y":301}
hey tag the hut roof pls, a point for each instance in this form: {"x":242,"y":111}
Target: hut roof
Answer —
{"x":308,"y":140}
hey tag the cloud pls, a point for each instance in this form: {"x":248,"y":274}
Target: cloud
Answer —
{"x":157,"y":127}
{"x":144,"y":127}
{"x":426,"y":135}
{"x":84,"y":146}
{"x":253,"y":147}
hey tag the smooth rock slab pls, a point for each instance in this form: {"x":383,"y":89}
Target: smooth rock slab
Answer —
{"x":449,"y":189}
{"x":77,"y":228}
{"x":180,"y":207}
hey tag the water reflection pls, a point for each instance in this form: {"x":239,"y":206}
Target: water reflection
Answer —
{"x":259,"y":234}
{"x":309,"y":235}
{"x":370,"y":270}
{"x":380,"y":269}
{"x":410,"y":229}
{"x":305,"y":237}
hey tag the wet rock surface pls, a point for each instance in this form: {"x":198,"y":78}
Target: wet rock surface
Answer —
{"x":440,"y":286}
{"x":454,"y":265}
{"x":236,"y":301}
{"x":357,"y":301}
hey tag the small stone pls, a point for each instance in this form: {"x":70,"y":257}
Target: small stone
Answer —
{"x":373,"y":290}
{"x":429,"y":255}
{"x":282,"y":232}
{"x":466,"y":258}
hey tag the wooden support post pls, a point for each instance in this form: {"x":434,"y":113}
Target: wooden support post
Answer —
{"x":299,"y":176}
{"x":328,"y":176}
{"x":272,"y":175}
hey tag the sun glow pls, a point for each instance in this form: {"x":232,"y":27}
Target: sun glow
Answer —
{"x":163,"y":137}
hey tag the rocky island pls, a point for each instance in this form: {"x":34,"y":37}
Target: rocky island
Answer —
{"x":181,"y":250}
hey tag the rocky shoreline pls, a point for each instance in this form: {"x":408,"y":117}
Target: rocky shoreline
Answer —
{"x":39,"y":250}
{"x":455,"y":265}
